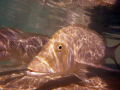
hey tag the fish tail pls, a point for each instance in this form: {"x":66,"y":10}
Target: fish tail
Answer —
{"x":111,"y":53}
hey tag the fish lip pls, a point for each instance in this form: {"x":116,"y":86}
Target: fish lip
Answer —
{"x":35,"y":73}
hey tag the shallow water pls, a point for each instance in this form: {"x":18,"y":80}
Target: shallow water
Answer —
{"x":46,"y":18}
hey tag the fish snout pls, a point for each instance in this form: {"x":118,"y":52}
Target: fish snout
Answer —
{"x":34,"y":65}
{"x":39,"y":67}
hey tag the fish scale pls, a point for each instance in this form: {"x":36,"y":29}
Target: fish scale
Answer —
{"x":79,"y":45}
{"x":59,"y":62}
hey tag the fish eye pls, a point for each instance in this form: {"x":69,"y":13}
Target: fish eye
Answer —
{"x":60,"y":47}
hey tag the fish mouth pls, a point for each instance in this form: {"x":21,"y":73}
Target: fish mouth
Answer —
{"x":35,"y":73}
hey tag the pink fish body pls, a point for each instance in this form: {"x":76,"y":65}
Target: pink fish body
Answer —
{"x":71,"y":50}
{"x":67,"y":48}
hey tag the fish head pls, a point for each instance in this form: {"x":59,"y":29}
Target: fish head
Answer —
{"x":56,"y":56}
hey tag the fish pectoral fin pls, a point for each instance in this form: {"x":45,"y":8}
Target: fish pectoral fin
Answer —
{"x":81,"y":72}
{"x":81,"y":75}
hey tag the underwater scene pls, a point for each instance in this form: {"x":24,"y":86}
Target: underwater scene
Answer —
{"x":59,"y":44}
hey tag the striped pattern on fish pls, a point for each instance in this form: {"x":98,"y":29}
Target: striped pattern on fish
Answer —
{"x":67,"y":49}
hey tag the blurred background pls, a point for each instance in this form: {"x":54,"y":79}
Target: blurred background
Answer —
{"x":48,"y":16}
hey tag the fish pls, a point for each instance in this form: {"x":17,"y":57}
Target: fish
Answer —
{"x":68,"y":51}
{"x":19,"y":46}
{"x":58,"y":67}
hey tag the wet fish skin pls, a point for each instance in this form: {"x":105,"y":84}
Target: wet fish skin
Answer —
{"x":19,"y":46}
{"x":67,"y":48}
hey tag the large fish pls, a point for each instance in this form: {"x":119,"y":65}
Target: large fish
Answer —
{"x":63,"y":55}
{"x":69,"y":47}
{"x":18,"y":46}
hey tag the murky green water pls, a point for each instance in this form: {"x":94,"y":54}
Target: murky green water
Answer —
{"x":34,"y":16}
{"x":46,"y":18}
